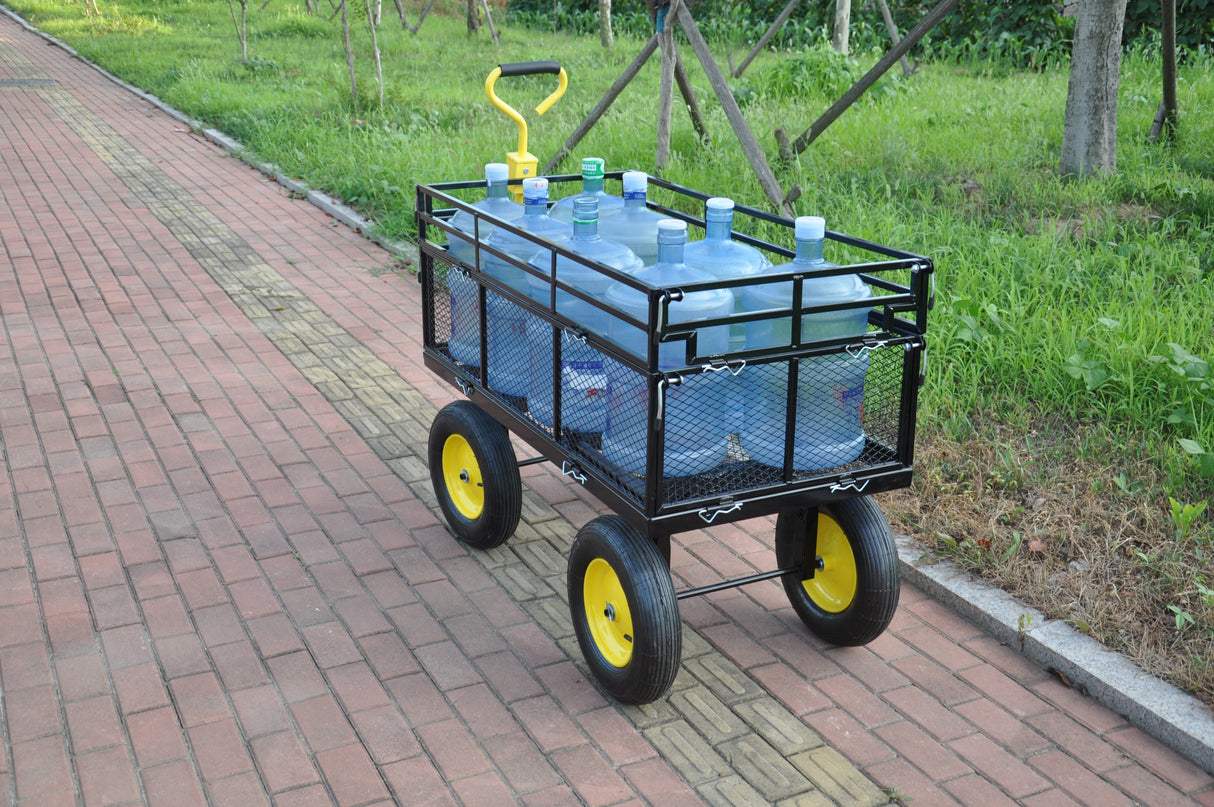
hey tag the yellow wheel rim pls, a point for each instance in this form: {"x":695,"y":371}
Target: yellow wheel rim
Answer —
{"x":607,"y":613}
{"x":462,"y":476}
{"x":833,"y":586}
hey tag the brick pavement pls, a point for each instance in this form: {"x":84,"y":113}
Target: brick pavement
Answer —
{"x":222,"y":580}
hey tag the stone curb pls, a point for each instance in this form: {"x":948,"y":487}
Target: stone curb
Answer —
{"x":1158,"y":708}
{"x":1176,"y":719}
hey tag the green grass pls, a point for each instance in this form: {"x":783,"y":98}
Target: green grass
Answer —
{"x":1082,"y":307}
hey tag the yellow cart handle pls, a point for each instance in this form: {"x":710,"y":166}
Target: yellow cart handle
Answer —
{"x":522,"y":163}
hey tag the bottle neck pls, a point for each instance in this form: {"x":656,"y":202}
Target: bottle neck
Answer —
{"x":634,"y":199}
{"x":592,"y":185}
{"x":717,"y":227}
{"x":586,"y":230}
{"x":671,"y":251}
{"x":809,"y":250}
{"x":535,"y":207}
{"x":497,"y":190}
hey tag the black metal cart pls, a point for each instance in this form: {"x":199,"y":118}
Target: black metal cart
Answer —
{"x":835,"y":553}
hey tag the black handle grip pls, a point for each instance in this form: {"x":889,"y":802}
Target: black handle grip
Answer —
{"x":530,"y":68}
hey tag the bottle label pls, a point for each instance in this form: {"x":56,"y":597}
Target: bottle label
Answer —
{"x":634,"y":195}
{"x":585,"y":377}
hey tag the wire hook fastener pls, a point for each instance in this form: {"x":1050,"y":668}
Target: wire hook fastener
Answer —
{"x":849,"y":484}
{"x":570,"y":469}
{"x":709,"y":514}
{"x":734,"y":367}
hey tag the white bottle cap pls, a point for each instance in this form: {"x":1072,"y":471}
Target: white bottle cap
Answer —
{"x":719,"y":203}
{"x":535,"y":188}
{"x":497,"y":172}
{"x":672,"y":226}
{"x":635,"y":181}
{"x":811,"y":228}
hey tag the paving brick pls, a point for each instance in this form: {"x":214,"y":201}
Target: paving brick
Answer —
{"x":764,"y":768}
{"x":416,"y":781}
{"x":1082,"y":745}
{"x":172,"y":785}
{"x":929,"y":714}
{"x":921,"y":750}
{"x":156,"y":737}
{"x":835,"y":778}
{"x":857,"y":700}
{"x":1008,"y":693}
{"x":687,"y":752}
{"x":841,"y":731}
{"x":453,"y":749}
{"x":282,"y":761}
{"x":357,"y":687}
{"x":351,"y":775}
{"x":323,"y":723}
{"x":419,"y":700}
{"x":1077,"y":780}
{"x":219,"y":749}
{"x":140,"y":687}
{"x":106,"y":776}
{"x":591,"y":776}
{"x":974,"y":789}
{"x":93,"y":724}
{"x":31,"y":713}
{"x":199,"y":699}
{"x":1013,"y":776}
{"x":902,"y":780}
{"x":385,"y":734}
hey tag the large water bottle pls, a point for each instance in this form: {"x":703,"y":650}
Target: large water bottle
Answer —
{"x":725,"y":259}
{"x":506,"y":329}
{"x":830,"y":389}
{"x":636,"y":226}
{"x":583,"y":378}
{"x":592,"y":185}
{"x":465,"y":312}
{"x":697,"y":410}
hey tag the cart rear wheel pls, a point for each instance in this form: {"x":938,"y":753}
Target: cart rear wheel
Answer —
{"x":624,"y":610}
{"x":853,"y":593}
{"x":475,"y":475}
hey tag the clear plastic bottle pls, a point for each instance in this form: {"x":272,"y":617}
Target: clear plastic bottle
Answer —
{"x":509,"y":364}
{"x":725,"y":259}
{"x":697,"y":410}
{"x":592,"y":185}
{"x":636,"y":226}
{"x":830,"y":389}
{"x":583,"y":378}
{"x":465,"y":313}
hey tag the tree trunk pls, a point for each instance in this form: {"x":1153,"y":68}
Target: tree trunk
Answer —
{"x":379,"y":67}
{"x":474,"y":20}
{"x":1089,"y":133}
{"x":842,"y":25}
{"x":606,"y":38}
{"x":345,"y":35}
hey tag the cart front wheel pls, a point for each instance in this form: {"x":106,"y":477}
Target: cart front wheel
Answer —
{"x":475,"y":475}
{"x":853,"y":593}
{"x":624,"y":610}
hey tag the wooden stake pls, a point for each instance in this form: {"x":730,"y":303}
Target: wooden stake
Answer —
{"x":763,"y":40}
{"x":758,"y":161}
{"x":604,"y":103}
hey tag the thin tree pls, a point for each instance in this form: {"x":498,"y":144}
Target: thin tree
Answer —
{"x":606,"y":38}
{"x":345,"y":35}
{"x":842,"y":25}
{"x":242,"y":27}
{"x":372,"y":18}
{"x":1089,"y":133}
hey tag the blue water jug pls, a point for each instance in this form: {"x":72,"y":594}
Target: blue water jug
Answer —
{"x":592,"y":185}
{"x":582,"y":377}
{"x":506,"y":326}
{"x":830,"y":389}
{"x":696,"y":411}
{"x":465,"y":312}
{"x":723,"y":258}
{"x":636,"y":226}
